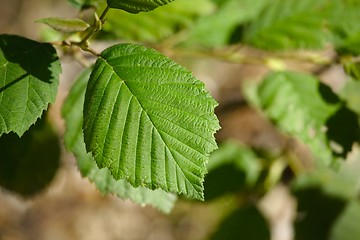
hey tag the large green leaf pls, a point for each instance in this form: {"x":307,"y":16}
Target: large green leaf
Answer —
{"x":136,"y":6}
{"x":158,"y":24}
{"x":149,"y":121}
{"x":290,"y":24}
{"x":294,"y":102}
{"x":74,"y":141}
{"x":29,"y":77}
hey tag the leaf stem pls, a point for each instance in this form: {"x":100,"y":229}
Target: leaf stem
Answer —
{"x":97,"y":26}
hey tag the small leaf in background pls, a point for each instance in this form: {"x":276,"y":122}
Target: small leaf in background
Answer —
{"x":317,"y":212}
{"x":352,"y":69}
{"x":65,"y":25}
{"x":149,"y":121}
{"x":29,"y":77}
{"x":325,"y":198}
{"x":28,"y":164}
{"x":83,"y":4}
{"x":158,"y":24}
{"x":290,"y":24}
{"x":350,"y":94}
{"x":103,"y":180}
{"x":343,"y":130}
{"x":244,"y":223}
{"x":216,"y":29}
{"x":294,"y":102}
{"x":346,"y":226}
{"x":232,"y":168}
{"x":136,"y":6}
{"x":343,"y":23}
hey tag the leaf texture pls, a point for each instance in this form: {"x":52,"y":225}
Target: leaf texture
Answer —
{"x":29,"y":77}
{"x":294,"y":102}
{"x":149,"y":121}
{"x":136,"y":6}
{"x":74,"y":141}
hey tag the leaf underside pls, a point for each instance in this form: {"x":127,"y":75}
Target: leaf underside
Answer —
{"x":136,"y":6}
{"x":149,"y":121}
{"x":29,"y":77}
{"x":74,"y":141}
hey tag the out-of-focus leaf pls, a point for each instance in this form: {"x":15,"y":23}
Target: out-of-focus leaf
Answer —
{"x":65,"y":25}
{"x":343,"y":23}
{"x":29,"y":77}
{"x":325,"y":198}
{"x":29,"y":163}
{"x":351,"y":95}
{"x":83,"y":4}
{"x":352,"y":69}
{"x":290,"y":24}
{"x":244,"y":223}
{"x":294,"y":102}
{"x":216,"y":29}
{"x":232,"y":168}
{"x":74,"y":141}
{"x":343,"y":130}
{"x":346,"y":226}
{"x":136,"y":6}
{"x":158,"y":24}
{"x":317,"y":212}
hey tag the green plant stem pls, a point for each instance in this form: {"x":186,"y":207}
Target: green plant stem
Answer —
{"x":94,"y":28}
{"x":97,"y":26}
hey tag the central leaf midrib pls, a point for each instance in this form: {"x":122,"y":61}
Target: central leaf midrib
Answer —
{"x":143,"y":109}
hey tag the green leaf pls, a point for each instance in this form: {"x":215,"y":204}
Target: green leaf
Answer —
{"x":343,"y":23}
{"x":317,"y":213}
{"x":29,"y":77}
{"x":232,"y":168}
{"x":325,"y":198}
{"x":74,"y":141}
{"x":158,"y":24}
{"x":136,"y":6}
{"x":294,"y":102}
{"x":244,"y":223}
{"x":65,"y":25}
{"x":217,"y":28}
{"x":29,"y":163}
{"x":346,"y":225}
{"x":149,"y":121}
{"x":351,"y":95}
{"x":343,"y":131}
{"x":83,"y":4}
{"x":290,"y":24}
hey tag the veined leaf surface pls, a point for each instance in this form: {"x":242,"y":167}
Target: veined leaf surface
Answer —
{"x":74,"y":141}
{"x":136,"y":6}
{"x":149,"y":121}
{"x":29,"y":77}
